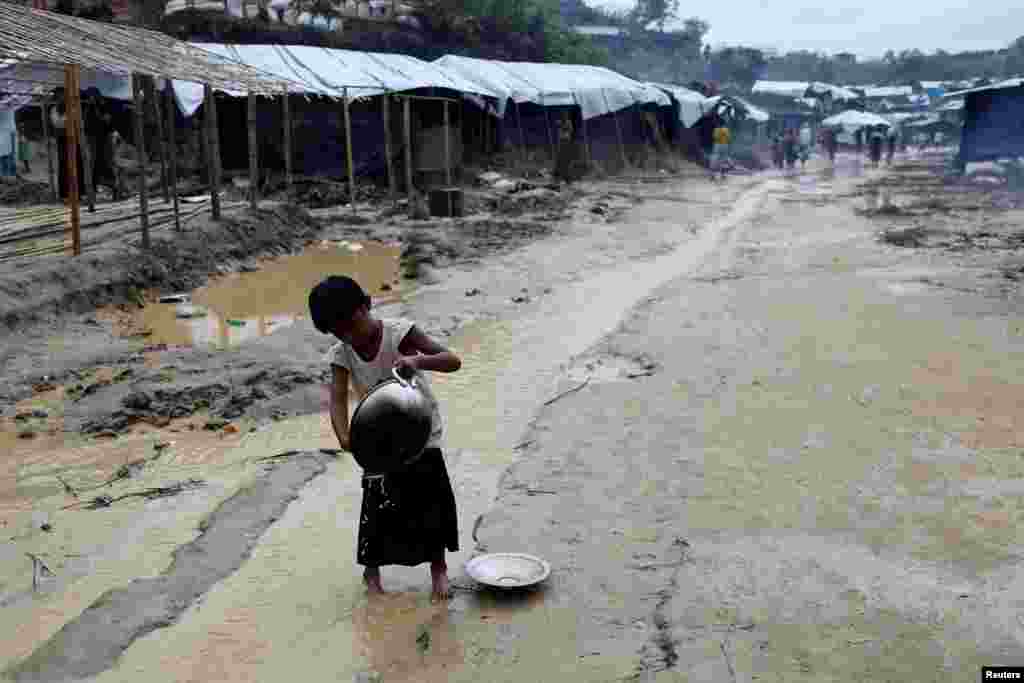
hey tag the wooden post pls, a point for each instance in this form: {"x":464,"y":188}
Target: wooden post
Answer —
{"x":522,"y":138}
{"x":83,"y":145}
{"x":447,"y":158}
{"x":547,"y":125}
{"x":49,"y":149}
{"x":407,"y":115}
{"x":72,"y":106}
{"x":392,"y":180}
{"x":172,"y":144}
{"x":286,"y":105}
{"x":348,"y":152}
{"x":213,"y":145}
{"x":158,"y":113}
{"x":618,"y":130}
{"x":254,"y":171}
{"x":586,"y":141}
{"x":140,"y":152}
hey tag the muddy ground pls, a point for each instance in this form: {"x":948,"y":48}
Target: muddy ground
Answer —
{"x":260,"y":381}
{"x":659,"y":461}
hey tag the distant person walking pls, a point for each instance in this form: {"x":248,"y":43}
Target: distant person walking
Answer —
{"x":830,"y":144}
{"x":789,"y":144}
{"x":721,"y":139}
{"x":778,"y":155}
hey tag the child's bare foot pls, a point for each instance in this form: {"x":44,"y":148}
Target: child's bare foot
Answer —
{"x":372,"y":579}
{"x":440,"y":589}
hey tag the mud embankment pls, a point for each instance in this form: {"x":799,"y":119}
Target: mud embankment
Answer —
{"x":32,"y":292}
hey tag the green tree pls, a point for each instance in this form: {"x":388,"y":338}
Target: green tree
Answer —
{"x":740,"y":65}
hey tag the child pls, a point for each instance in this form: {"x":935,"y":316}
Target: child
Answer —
{"x":408,"y":517}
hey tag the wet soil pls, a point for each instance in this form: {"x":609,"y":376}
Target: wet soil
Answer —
{"x":660,"y":461}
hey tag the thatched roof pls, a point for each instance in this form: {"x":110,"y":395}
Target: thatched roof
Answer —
{"x":35,"y":45}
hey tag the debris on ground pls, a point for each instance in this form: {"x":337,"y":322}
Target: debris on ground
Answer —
{"x":152,"y":493}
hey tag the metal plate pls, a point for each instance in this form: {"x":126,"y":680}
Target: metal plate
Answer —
{"x":508,"y":570}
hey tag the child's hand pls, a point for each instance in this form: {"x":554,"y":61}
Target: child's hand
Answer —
{"x":406,"y":366}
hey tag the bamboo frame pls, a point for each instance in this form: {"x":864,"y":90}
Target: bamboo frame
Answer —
{"x":172,"y":143}
{"x":287,"y":112}
{"x":407,"y":130}
{"x":72,"y":109}
{"x":140,"y":152}
{"x":448,"y":159}
{"x":348,"y":152}
{"x":83,"y":145}
{"x":388,"y":148}
{"x":522,"y":138}
{"x":586,"y":139}
{"x":254,"y":170}
{"x":547,"y":126}
{"x":618,"y":129}
{"x":158,"y":113}
{"x":213,"y":145}
{"x":49,"y":149}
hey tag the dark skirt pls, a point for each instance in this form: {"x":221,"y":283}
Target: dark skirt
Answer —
{"x":408,"y":517}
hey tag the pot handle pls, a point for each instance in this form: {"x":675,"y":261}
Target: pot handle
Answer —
{"x":402,"y":380}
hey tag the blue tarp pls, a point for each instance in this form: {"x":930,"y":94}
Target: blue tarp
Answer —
{"x":993,"y":125}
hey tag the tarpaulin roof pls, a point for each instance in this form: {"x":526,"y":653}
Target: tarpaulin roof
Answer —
{"x":692,"y":104}
{"x":1009,"y":83}
{"x":852,"y":120}
{"x":595,"y":89}
{"x":788,"y":88}
{"x":837,"y":92}
{"x":889,"y":91}
{"x":755,"y":113}
{"x":328,"y":72}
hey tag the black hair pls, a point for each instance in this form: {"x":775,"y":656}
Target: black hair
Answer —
{"x":335,"y":298}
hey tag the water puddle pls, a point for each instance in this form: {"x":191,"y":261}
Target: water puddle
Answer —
{"x":240,"y":307}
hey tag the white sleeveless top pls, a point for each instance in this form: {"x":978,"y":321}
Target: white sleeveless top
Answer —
{"x":365,"y":375}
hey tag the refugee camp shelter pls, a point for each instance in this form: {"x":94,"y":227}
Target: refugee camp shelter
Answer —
{"x":993,"y":125}
{"x":43,"y":50}
{"x":370,"y":89}
{"x":613,"y":115}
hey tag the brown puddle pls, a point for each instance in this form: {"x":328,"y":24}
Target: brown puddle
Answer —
{"x":239,"y":307}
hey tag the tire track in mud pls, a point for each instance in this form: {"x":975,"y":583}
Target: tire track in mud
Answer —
{"x":92,"y":643}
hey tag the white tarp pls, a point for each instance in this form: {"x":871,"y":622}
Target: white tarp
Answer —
{"x":851,"y":120}
{"x":837,"y":92}
{"x":692,"y":105}
{"x":1009,"y":83}
{"x":785,"y":88}
{"x":595,"y":89}
{"x":889,"y":91}
{"x":752,"y":112}
{"x":328,"y":72}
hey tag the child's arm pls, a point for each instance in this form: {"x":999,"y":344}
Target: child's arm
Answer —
{"x":338,"y":394}
{"x":432,"y":356}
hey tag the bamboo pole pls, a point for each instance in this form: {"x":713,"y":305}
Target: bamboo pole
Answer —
{"x":586,"y":141}
{"x":392,"y":181}
{"x":172,"y":144}
{"x":140,"y":151}
{"x":286,"y":105}
{"x":213,"y":145}
{"x":407,"y":129}
{"x":49,"y":149}
{"x":254,"y":170}
{"x":158,"y":113}
{"x":348,"y":152}
{"x":522,"y":138}
{"x":618,"y":130}
{"x":71,"y":109}
{"x":83,"y":145}
{"x":547,"y":126}
{"x":448,"y":159}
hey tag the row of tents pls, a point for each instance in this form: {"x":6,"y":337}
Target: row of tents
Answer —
{"x":517,"y":103}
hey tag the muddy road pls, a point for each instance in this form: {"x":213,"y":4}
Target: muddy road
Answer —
{"x":755,"y":437}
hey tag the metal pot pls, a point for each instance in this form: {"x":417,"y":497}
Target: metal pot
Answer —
{"x":390,"y":426}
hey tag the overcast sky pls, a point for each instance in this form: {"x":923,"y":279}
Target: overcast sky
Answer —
{"x":867,"y":28}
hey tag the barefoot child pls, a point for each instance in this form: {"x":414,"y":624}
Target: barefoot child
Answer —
{"x":408,"y":517}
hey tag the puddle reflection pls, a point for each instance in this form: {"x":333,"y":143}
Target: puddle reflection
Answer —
{"x":240,"y":307}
